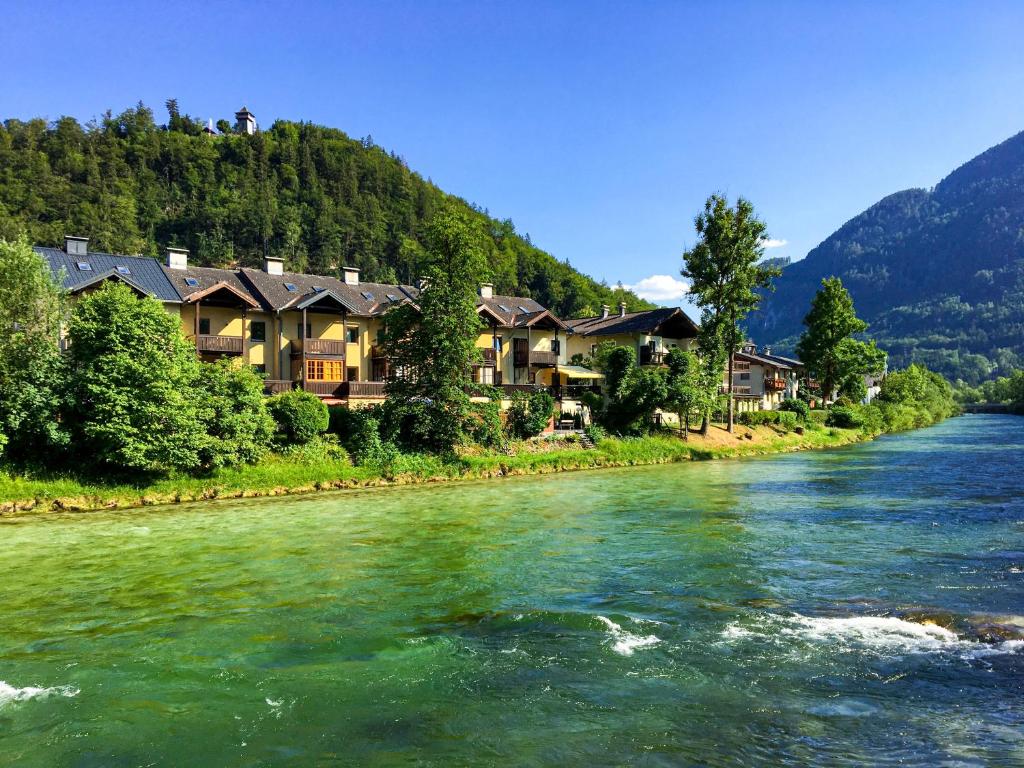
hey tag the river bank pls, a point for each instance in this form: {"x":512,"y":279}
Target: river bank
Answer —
{"x":281,"y":475}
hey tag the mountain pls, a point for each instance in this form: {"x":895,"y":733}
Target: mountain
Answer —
{"x":939,"y":274}
{"x":307,"y":193}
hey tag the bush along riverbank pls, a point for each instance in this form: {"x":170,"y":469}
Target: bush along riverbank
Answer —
{"x":325,"y":465}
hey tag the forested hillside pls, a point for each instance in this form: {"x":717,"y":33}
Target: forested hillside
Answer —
{"x":304,"y":192}
{"x":939,"y":274}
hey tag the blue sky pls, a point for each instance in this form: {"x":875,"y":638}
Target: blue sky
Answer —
{"x":598,"y":128}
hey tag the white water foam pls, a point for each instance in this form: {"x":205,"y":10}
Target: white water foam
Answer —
{"x":9,"y":694}
{"x":882,"y":635}
{"x":625,"y":643}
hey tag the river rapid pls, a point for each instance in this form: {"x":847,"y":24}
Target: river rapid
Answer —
{"x":861,"y":606}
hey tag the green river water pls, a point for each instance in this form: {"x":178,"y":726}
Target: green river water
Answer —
{"x":853,"y":607}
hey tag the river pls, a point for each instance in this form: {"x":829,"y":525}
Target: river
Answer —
{"x":849,"y":607}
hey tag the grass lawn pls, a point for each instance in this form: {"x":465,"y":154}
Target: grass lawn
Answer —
{"x":306,"y":472}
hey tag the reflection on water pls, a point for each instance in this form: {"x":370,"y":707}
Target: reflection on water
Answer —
{"x":858,"y":606}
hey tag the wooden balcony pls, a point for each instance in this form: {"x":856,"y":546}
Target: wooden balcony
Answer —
{"x":276,"y":386}
{"x":775,"y":385}
{"x":369,"y":389}
{"x":324,"y":347}
{"x":736,"y":390}
{"x":538,"y":359}
{"x":650,"y":356}
{"x":336,"y":389}
{"x":220,"y":345}
{"x":489,"y":355}
{"x":573,"y":391}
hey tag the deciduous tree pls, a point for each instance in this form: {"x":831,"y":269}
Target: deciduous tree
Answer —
{"x":725,"y":276}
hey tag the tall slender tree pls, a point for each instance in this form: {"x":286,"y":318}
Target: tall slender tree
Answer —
{"x":828,"y":348}
{"x":725,"y":275}
{"x":432,"y":345}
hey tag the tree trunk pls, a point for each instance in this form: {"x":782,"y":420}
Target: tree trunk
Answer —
{"x":686,"y":426}
{"x":731,"y":361}
{"x":705,"y":425}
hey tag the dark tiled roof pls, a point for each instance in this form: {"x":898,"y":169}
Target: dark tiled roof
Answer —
{"x":791,"y":362}
{"x":647,"y":321}
{"x":363,"y":299}
{"x":146,"y":273}
{"x":760,"y":360}
{"x":513,"y":310}
{"x":207,"y":277}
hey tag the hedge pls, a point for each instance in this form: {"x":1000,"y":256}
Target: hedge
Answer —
{"x":784,"y":419}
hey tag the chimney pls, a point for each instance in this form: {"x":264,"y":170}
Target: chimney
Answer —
{"x":245,"y":121}
{"x":76,"y":246}
{"x":272,"y":265}
{"x":177,"y":258}
{"x":605,"y":309}
{"x":622,"y":309}
{"x":487,"y":290}
{"x":767,"y":349}
{"x":350,"y":275}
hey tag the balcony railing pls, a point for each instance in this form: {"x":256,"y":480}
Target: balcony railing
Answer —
{"x":736,"y":390}
{"x":775,"y":385}
{"x":510,"y":389}
{"x":319,"y":347}
{"x":489,"y":355}
{"x":573,"y":391}
{"x":363,"y":389}
{"x":540,"y":359}
{"x":276,"y":386}
{"x":326,"y":388}
{"x":225,"y":345}
{"x":650,"y":356}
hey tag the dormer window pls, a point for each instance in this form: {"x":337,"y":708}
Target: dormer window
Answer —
{"x":84,"y":266}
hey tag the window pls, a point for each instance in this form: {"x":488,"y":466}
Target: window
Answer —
{"x":524,"y":310}
{"x":258,"y":330}
{"x":298,"y":330}
{"x":84,"y":266}
{"x":123,"y":271}
{"x":260,"y":368}
{"x":366,"y":295}
{"x":318,"y":289}
{"x":556,"y":346}
{"x":745,"y":376}
{"x":487,"y":375}
{"x":352,"y":335}
{"x":191,"y":282}
{"x":324,"y":370}
{"x":290,"y":287}
{"x":204,"y":326}
{"x":497,"y":343}
{"x":503,"y":308}
{"x":392,"y":297}
{"x":352,"y":373}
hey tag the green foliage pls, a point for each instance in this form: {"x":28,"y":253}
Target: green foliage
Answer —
{"x":595,"y":432}
{"x":302,"y":192}
{"x":827,"y":348}
{"x":844,"y":417}
{"x":688,"y":391}
{"x":238,"y":423}
{"x":1005,"y":390}
{"x":818,"y":416}
{"x":726,"y":274}
{"x":31,"y":369}
{"x":786,"y":420}
{"x":528,"y":414}
{"x":799,"y":407}
{"x":300,"y":416}
{"x":938,"y":273}
{"x":634,"y":394}
{"x":485,"y":426}
{"x":131,"y":384}
{"x":431,"y":346}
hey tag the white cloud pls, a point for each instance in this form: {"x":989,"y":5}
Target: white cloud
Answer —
{"x":770,"y":242}
{"x":659,"y":288}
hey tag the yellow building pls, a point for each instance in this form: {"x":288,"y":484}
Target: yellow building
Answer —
{"x":651,"y":334}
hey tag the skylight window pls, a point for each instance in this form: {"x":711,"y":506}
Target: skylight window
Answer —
{"x":367,"y":295}
{"x":318,"y":289}
{"x":123,"y":271}
{"x":290,"y":287}
{"x":392,"y":297}
{"x":523,"y":309}
{"x":84,"y":266}
{"x":503,"y":308}
{"x":191,"y":282}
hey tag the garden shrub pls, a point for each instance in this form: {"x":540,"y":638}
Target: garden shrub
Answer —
{"x":300,"y":416}
{"x":844,"y":418}
{"x":595,"y":432}
{"x":799,"y":407}
{"x":528,"y":414}
{"x":783,"y":419}
{"x":485,"y":427}
{"x":818,"y":417}
{"x":238,"y":422}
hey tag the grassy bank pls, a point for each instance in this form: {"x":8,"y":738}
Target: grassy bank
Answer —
{"x":306,"y":472}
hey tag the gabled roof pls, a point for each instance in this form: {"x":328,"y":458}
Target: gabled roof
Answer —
{"x":510,"y":309}
{"x":206,"y":278}
{"x":541,"y":319}
{"x":222,"y":287}
{"x":144,"y":273}
{"x":326,"y":295}
{"x":761,"y":360}
{"x":110,"y":274}
{"x":365,"y":299}
{"x":670,"y":322}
